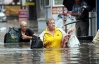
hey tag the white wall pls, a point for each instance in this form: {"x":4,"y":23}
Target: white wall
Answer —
{"x":92,"y":24}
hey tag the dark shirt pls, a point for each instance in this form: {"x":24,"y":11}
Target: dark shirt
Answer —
{"x":28,"y":33}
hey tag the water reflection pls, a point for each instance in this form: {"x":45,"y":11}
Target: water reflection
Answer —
{"x":20,"y":53}
{"x":53,"y":56}
{"x":17,"y":45}
{"x":87,"y":54}
{"x":74,"y":55}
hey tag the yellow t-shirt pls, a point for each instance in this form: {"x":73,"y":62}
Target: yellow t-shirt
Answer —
{"x":52,"y":41}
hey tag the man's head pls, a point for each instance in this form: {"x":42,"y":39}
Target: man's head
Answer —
{"x":78,"y":2}
{"x":23,"y":25}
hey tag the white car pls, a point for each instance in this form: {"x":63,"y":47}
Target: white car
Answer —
{"x":3,"y":17}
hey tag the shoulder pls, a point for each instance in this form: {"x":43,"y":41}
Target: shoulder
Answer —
{"x":28,"y":29}
{"x":63,"y":32}
{"x":74,"y":5}
{"x":84,"y":3}
{"x":60,"y":29}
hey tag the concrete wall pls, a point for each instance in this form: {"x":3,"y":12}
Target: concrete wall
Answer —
{"x":41,"y":24}
{"x":92,"y":24}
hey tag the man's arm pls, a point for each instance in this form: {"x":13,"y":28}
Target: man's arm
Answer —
{"x":76,"y":14}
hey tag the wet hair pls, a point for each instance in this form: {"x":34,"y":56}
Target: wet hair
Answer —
{"x":22,"y":23}
{"x":48,"y":20}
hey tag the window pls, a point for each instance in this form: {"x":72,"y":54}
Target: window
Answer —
{"x":57,"y":2}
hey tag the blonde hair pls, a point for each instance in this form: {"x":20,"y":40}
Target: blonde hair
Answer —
{"x":23,"y":23}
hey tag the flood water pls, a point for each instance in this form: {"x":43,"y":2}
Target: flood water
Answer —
{"x":20,"y":53}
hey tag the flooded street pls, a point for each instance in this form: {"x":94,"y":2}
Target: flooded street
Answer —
{"x":20,"y":53}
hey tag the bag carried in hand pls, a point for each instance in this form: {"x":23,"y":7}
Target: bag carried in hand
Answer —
{"x":36,"y":42}
{"x":13,"y":35}
{"x":73,"y":41}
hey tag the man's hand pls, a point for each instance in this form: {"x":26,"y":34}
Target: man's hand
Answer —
{"x":79,"y":14}
{"x":84,"y":6}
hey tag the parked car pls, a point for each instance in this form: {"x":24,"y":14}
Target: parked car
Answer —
{"x":3,"y":17}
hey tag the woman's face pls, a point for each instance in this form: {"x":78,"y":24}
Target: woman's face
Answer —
{"x":51,"y":25}
{"x":24,"y":27}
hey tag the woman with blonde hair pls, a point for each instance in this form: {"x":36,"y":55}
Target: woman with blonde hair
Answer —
{"x":25,"y":32}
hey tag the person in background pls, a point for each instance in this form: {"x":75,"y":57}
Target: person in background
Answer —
{"x":25,"y":33}
{"x":68,"y":18}
{"x":82,"y":26}
{"x":52,"y":36}
{"x":59,"y":21}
